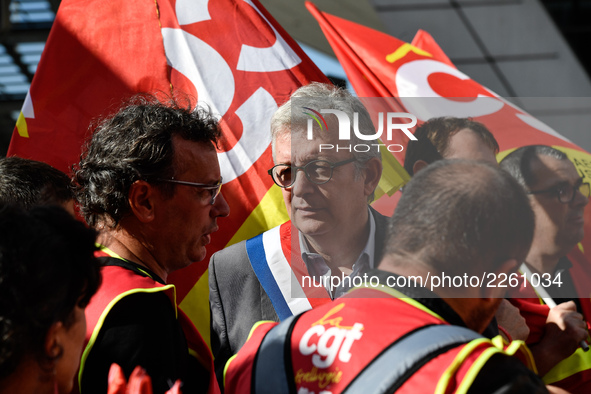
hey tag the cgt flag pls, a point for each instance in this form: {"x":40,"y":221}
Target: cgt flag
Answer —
{"x":425,"y":83}
{"x":230,"y":54}
{"x":422,"y":80}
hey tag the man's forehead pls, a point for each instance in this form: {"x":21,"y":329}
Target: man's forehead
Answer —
{"x":184,"y":148}
{"x":548,"y":171}
{"x":296,"y":147}
{"x":192,"y":156}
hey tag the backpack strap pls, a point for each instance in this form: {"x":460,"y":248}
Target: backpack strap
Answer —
{"x":272,"y":369}
{"x":397,"y":363}
{"x":273,"y":372}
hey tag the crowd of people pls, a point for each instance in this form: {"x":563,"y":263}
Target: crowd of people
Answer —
{"x":338,"y":299}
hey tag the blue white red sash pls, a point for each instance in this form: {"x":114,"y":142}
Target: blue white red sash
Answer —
{"x":282,"y":273}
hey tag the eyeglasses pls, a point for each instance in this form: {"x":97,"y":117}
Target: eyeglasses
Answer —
{"x":214,"y":190}
{"x":317,"y":171}
{"x":566,"y":192}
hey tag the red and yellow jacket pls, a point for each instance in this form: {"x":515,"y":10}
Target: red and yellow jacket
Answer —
{"x":119,"y":282}
{"x":346,"y":343}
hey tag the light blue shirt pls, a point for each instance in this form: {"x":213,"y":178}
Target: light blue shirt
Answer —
{"x":320,"y":271}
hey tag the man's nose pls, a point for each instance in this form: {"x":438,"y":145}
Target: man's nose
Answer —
{"x":580,"y":199}
{"x":220,"y":206}
{"x":301,"y":184}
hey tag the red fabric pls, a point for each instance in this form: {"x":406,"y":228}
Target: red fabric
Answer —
{"x":291,"y":249}
{"x":118,"y":280}
{"x":99,"y":53}
{"x":425,"y":41}
{"x":536,"y":312}
{"x":139,"y":382}
{"x":379,"y":65}
{"x":352,"y":313}
{"x":364,"y":54}
{"x":237,"y":377}
{"x":417,"y":80}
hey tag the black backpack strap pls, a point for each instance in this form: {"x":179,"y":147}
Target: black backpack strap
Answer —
{"x":397,"y":363}
{"x":272,"y":372}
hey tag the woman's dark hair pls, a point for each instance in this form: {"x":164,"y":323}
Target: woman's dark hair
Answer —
{"x":47,"y":268}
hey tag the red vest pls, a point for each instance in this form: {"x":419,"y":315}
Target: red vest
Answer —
{"x":573,"y":373}
{"x":332,"y":344}
{"x":119,"y":282}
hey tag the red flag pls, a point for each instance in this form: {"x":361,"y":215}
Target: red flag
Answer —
{"x":425,"y":83}
{"x":415,"y":74}
{"x":230,"y":54}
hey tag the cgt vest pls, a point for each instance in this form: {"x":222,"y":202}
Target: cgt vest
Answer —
{"x":343,"y":347}
{"x":573,"y":373}
{"x":118,"y":283}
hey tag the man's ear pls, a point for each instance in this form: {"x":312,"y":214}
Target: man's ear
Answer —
{"x":419,"y":165}
{"x":497,"y":287}
{"x":373,"y":173}
{"x":53,"y":340}
{"x":141,"y":201}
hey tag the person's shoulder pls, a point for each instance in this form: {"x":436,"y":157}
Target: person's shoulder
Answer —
{"x":142,"y":304}
{"x":229,"y":251}
{"x":506,"y":374}
{"x":382,"y":219}
{"x":381,"y":229}
{"x":229,"y":261}
{"x":235,"y":254}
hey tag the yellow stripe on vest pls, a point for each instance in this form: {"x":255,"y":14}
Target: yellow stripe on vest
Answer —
{"x":103,"y":316}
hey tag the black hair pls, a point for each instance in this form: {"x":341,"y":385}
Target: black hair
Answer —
{"x":29,"y":182}
{"x":135,"y":144}
{"x":433,"y":139}
{"x":518,"y":163}
{"x":47,"y":267}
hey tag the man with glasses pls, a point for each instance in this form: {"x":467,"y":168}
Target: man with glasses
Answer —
{"x":149,"y":181}
{"x":448,"y":137}
{"x":333,"y":235}
{"x":557,"y":270}
{"x":403,"y":336}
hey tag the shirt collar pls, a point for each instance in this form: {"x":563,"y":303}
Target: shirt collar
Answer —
{"x":311,"y":258}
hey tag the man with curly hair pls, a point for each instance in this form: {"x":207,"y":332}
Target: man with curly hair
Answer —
{"x":149,"y":181}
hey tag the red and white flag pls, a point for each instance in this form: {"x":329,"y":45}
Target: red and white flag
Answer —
{"x":423,"y":81}
{"x":230,"y":54}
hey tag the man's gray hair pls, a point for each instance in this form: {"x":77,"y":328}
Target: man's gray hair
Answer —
{"x":319,"y":96}
{"x":518,"y":163}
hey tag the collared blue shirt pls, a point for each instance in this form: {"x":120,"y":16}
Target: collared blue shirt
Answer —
{"x":320,"y":271}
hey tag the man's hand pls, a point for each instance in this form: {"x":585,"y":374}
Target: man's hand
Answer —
{"x":564,"y":329}
{"x":509,"y":318}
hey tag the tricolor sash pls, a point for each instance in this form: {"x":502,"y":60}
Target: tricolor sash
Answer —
{"x":283,"y":274}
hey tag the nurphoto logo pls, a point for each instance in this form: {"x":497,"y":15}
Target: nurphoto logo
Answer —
{"x":345,"y":129}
